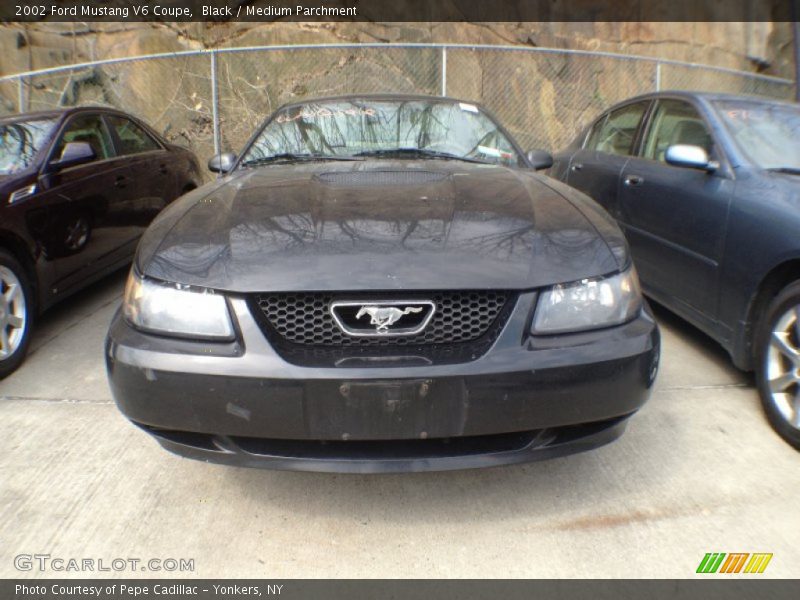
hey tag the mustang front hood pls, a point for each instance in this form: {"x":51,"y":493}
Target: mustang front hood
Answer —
{"x":376,"y":225}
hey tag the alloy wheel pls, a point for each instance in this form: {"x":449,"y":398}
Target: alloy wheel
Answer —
{"x":13,"y":313}
{"x":783,"y":366}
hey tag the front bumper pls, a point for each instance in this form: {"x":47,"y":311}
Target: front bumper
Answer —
{"x":242,"y":404}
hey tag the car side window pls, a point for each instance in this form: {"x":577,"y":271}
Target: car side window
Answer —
{"x":675,"y":122}
{"x":591,"y":139}
{"x":132,"y":138}
{"x":616,"y":132}
{"x":91,"y":130}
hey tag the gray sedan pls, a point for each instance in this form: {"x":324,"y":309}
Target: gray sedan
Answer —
{"x":706,"y":188}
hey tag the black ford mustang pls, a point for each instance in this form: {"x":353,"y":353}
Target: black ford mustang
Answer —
{"x":381,"y":284}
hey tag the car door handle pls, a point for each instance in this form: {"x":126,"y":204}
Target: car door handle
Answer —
{"x":576,"y":167}
{"x":633,"y":180}
{"x":121,"y":181}
{"x":163,"y":169}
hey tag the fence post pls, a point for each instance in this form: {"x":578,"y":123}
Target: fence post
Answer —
{"x":444,"y":70}
{"x":658,"y":76}
{"x":215,"y":101}
{"x":21,"y":103}
{"x":796,"y":38}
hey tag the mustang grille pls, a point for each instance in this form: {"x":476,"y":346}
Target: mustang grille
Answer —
{"x":305,"y":318}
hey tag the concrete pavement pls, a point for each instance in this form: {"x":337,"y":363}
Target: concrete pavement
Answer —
{"x":699,"y":470}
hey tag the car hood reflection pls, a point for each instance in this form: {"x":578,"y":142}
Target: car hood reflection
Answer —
{"x":376,"y":225}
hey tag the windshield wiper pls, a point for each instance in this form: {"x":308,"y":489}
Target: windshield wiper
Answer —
{"x":789,"y":170}
{"x":293,"y":156}
{"x":417,"y":152}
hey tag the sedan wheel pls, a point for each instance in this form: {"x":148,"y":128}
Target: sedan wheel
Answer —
{"x":15,"y":314}
{"x":783,"y":366}
{"x":779,"y":372}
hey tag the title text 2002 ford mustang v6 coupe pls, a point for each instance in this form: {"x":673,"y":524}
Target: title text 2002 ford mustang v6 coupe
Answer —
{"x":381,"y":284}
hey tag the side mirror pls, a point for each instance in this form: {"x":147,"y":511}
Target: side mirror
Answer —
{"x":692,"y":157}
{"x":540,"y":159}
{"x":74,"y":153}
{"x":222,"y":163}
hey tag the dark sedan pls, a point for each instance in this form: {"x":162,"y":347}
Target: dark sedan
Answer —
{"x":78,"y":188}
{"x":381,"y":284}
{"x":707,"y":190}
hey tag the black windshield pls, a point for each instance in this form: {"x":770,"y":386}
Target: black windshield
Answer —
{"x":21,"y":142}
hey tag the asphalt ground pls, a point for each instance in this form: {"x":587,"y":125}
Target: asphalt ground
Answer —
{"x":699,"y":470}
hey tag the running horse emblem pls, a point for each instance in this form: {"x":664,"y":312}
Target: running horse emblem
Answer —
{"x":384,"y":317}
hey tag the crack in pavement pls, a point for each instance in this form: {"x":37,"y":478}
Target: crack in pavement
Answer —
{"x":712,"y":386}
{"x":71,"y":326}
{"x":54,"y":400}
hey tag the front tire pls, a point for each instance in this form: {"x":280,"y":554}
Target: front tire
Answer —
{"x":16,"y":313}
{"x":778,"y":363}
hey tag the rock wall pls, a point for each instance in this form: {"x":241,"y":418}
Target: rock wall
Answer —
{"x":750,"y":46}
{"x":542,"y":98}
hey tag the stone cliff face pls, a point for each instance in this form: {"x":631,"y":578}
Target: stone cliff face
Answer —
{"x":748,"y":46}
{"x":543,"y":98}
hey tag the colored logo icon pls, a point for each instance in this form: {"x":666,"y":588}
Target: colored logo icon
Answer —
{"x":735,"y":562}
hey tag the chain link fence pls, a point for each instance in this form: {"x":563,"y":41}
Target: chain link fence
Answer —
{"x":212,"y":100}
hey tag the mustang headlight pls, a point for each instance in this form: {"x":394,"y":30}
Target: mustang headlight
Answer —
{"x":169,"y":309}
{"x":588,"y":304}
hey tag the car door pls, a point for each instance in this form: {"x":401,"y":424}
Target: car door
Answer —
{"x":152,"y":171}
{"x":595,"y":168}
{"x":72,"y":215}
{"x":674,"y":217}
